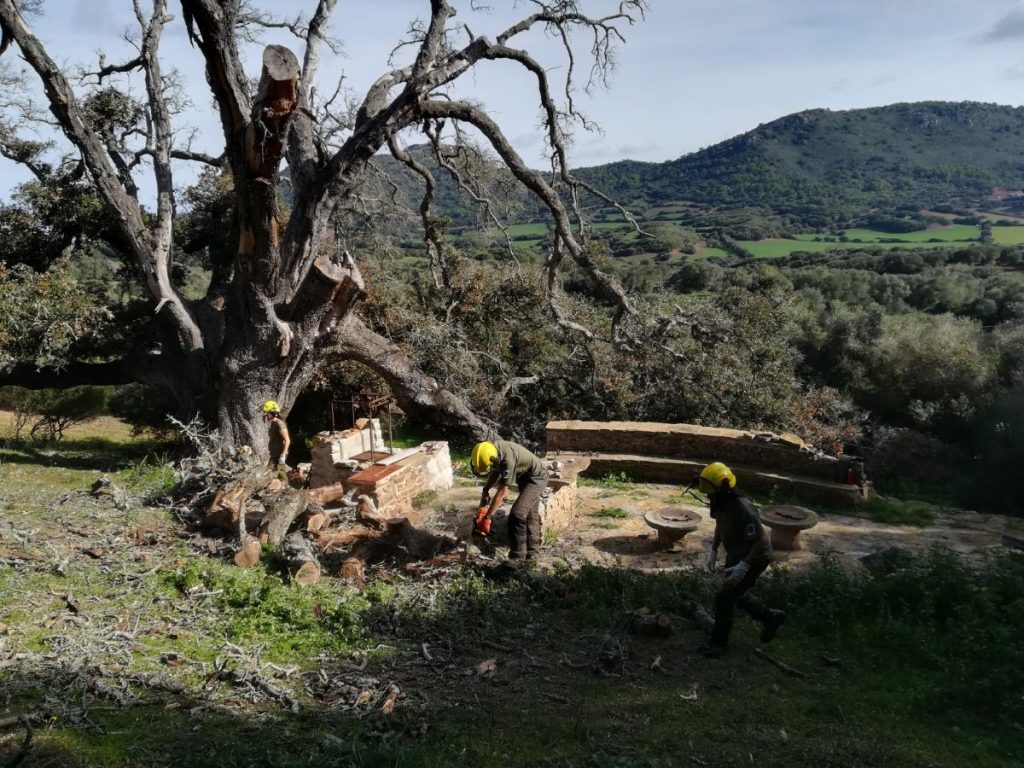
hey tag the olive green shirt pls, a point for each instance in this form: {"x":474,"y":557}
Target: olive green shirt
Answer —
{"x":737,"y":526}
{"x":514,"y":463}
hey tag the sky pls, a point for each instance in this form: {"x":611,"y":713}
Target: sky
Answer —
{"x":693,"y":73}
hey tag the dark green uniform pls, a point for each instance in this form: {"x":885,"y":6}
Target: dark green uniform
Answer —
{"x":738,"y":525}
{"x":517,"y":464}
{"x":739,"y":529}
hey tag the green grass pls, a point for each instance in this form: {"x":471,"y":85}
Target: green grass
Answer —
{"x":885,"y":509}
{"x":708,"y":252}
{"x":619,"y":481}
{"x":952,"y":233}
{"x":948,"y":636}
{"x":615,"y":513}
{"x":772,"y":249}
{"x":1008,"y":235}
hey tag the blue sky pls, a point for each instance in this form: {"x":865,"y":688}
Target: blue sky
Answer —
{"x":694,"y":73}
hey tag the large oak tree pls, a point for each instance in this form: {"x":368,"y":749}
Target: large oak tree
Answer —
{"x":283,"y":304}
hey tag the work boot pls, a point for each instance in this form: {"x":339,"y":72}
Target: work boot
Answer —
{"x":770,"y":626}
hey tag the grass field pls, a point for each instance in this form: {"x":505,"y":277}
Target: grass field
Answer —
{"x":770,"y":249}
{"x":132,"y":643}
{"x":1008,"y":235}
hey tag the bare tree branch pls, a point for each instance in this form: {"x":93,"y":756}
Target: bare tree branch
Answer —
{"x":129,"y":218}
{"x":210,"y":25}
{"x":535,"y":182}
{"x":316,"y":37}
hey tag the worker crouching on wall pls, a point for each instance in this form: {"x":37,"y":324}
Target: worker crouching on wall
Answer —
{"x":504,"y":462}
{"x":748,"y":551}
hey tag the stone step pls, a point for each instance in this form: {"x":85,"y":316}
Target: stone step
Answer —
{"x":670,"y":469}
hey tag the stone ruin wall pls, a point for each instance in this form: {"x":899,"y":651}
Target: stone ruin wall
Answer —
{"x":561,"y":504}
{"x":333,"y":453}
{"x":394,"y":486}
{"x":687,"y":441}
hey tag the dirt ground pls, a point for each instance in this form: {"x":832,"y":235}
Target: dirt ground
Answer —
{"x":628,"y":542}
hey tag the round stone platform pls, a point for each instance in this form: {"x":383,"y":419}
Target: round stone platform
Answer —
{"x":786,"y":522}
{"x":672,"y":524}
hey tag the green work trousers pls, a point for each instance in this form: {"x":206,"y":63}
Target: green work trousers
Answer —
{"x":524,"y":532}
{"x":731,"y":596}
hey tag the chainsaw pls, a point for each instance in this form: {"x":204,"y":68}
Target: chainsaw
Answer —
{"x":482,"y":524}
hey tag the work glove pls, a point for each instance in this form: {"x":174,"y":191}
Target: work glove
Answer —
{"x":734,"y":574}
{"x":710,"y":566}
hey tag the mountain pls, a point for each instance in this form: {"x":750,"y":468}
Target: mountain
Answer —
{"x":814,"y":167}
{"x":914,"y":155}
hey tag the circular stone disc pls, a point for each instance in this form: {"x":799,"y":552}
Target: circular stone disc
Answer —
{"x":677,"y":519}
{"x":786,"y":516}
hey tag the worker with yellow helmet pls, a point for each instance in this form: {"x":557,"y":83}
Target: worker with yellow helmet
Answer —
{"x":748,"y":552}
{"x":279,"y":441}
{"x":504,"y":462}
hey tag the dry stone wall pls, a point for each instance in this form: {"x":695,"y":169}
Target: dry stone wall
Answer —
{"x":690,"y":441}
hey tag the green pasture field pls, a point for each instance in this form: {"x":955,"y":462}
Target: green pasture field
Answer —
{"x":1008,"y":235}
{"x":953,"y":233}
{"x":772,"y":249}
{"x":708,"y":252}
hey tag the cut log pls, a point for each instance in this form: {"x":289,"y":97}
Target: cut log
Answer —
{"x":302,"y":562}
{"x":307,"y":573}
{"x":227,"y":506}
{"x":331,"y":540}
{"x":353,"y":571}
{"x":700,"y":617}
{"x":326,"y":494}
{"x":249,"y":554}
{"x":652,"y":624}
{"x":283,"y":509}
{"x":419,"y":543}
{"x":366,"y":513}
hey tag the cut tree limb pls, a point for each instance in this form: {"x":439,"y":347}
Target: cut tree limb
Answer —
{"x":283,"y":509}
{"x":302,"y":562}
{"x":250,"y":553}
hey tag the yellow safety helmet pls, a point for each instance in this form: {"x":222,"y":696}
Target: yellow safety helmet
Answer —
{"x":714,"y":476}
{"x":482,"y":456}
{"x":271,"y":406}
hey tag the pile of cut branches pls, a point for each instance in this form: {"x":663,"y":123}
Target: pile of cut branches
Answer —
{"x":227,"y":493}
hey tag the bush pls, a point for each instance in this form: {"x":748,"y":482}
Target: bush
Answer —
{"x":48,"y":413}
{"x":934,"y":610}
